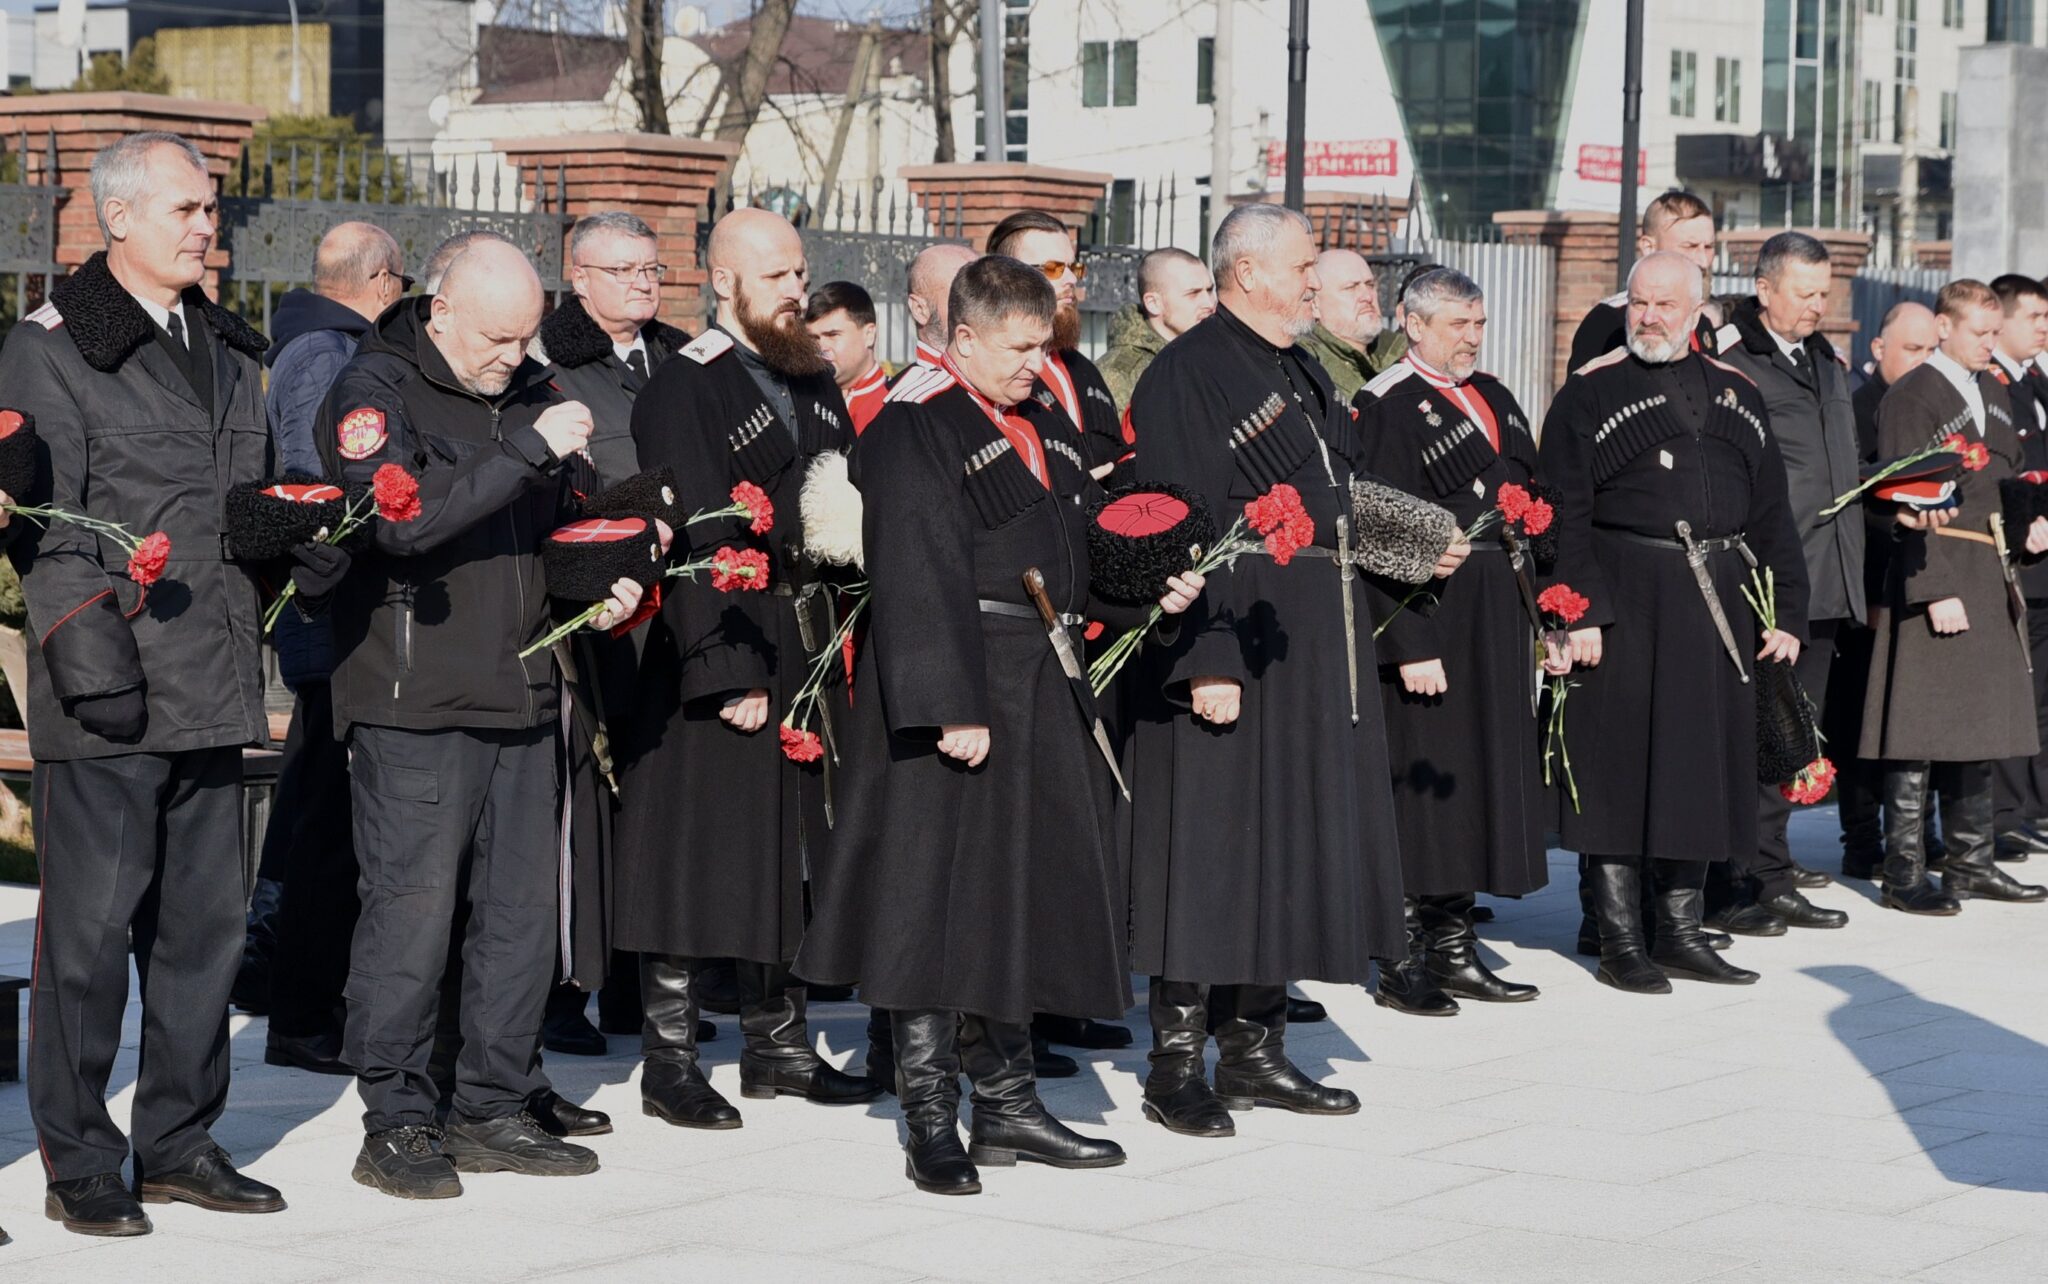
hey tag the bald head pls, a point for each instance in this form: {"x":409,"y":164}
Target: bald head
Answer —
{"x":1348,"y":305}
{"x":931,"y":281}
{"x":486,"y":310}
{"x":761,"y":280}
{"x":1910,"y":335}
{"x":358,"y":266}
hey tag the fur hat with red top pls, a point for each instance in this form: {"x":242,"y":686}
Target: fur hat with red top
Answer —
{"x":17,"y":454}
{"x":269,"y":519}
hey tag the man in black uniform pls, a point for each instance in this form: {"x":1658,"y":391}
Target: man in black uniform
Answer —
{"x":604,"y":344}
{"x":450,"y":732}
{"x":1457,"y":682}
{"x":1263,"y":845}
{"x":1906,"y":338}
{"x":149,"y":402}
{"x":982,"y":881}
{"x":2021,"y":815}
{"x":719,"y":829}
{"x":1069,"y":380}
{"x":1662,"y":455}
{"x":1775,"y":340}
{"x":1676,"y":223}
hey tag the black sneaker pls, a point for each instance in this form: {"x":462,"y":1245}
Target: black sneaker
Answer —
{"x":515,"y":1144}
{"x":407,"y":1162}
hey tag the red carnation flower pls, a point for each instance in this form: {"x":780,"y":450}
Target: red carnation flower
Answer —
{"x":801,"y":746}
{"x":733,"y":568}
{"x":1537,"y":516}
{"x":1976,"y":457}
{"x":1812,"y":783}
{"x":146,"y":563}
{"x":1272,"y":509}
{"x":1512,"y":500}
{"x":755,"y":500}
{"x":397,"y":492}
{"x":1563,"y":602}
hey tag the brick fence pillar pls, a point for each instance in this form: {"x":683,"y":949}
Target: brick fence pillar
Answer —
{"x":1847,"y":253}
{"x":74,"y":127}
{"x":967,"y":199}
{"x":1938,"y":255}
{"x":664,"y":180}
{"x":1586,"y":258}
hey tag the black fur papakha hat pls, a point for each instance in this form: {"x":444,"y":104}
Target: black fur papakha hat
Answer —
{"x":584,"y":559}
{"x":1397,"y":535}
{"x":651,"y":494}
{"x":1140,"y":536}
{"x":17,"y":454}
{"x":270,"y":519}
{"x":1787,"y":738}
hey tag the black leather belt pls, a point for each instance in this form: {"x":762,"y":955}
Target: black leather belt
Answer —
{"x":1016,"y":612}
{"x":1718,"y":544}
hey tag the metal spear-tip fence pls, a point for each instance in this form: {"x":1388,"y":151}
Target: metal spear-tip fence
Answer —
{"x":28,"y":223}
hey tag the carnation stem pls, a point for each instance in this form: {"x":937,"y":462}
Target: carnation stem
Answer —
{"x":1224,"y":552}
{"x":1849,"y":496}
{"x":561,"y":631}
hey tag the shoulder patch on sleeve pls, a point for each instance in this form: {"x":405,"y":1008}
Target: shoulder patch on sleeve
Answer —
{"x":921,"y":384}
{"x":46,"y":316}
{"x":1380,"y":383}
{"x":708,"y":347}
{"x":1618,"y":300}
{"x":1603,"y":361}
{"x":1727,"y":338}
{"x":1713,"y":361}
{"x":360,"y":433}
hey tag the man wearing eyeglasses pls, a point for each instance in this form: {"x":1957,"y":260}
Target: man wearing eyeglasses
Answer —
{"x":1071,"y":380}
{"x":357,"y":274}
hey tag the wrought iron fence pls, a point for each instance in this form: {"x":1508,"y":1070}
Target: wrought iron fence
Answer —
{"x":28,"y":223}
{"x":282,"y":198}
{"x":1876,"y":291}
{"x":1521,"y":305}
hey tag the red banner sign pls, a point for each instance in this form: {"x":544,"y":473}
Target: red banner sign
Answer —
{"x":1599,"y":163}
{"x":1355,"y":158}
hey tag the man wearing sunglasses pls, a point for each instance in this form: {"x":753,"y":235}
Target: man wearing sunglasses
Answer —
{"x":1070,"y":380}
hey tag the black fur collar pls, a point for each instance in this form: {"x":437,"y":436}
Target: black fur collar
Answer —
{"x":107,"y":324}
{"x":571,"y":338}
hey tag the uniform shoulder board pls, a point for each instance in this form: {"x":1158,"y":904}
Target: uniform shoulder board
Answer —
{"x":1619,"y":300}
{"x":1380,"y":383}
{"x":1720,"y":364}
{"x":1727,"y":338}
{"x":921,"y":383}
{"x":1603,"y":361}
{"x":708,"y":347}
{"x":46,"y":316}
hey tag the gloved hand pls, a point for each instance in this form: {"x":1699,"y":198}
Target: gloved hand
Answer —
{"x":119,"y":717}
{"x":318,"y":570}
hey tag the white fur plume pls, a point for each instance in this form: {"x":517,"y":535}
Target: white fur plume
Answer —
{"x":831,"y":506}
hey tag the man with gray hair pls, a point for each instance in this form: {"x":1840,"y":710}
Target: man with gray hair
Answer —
{"x":1350,"y":338}
{"x":1456,"y":681}
{"x":1670,"y":483}
{"x":1774,"y":338}
{"x":1262,"y":831}
{"x":148,"y":399}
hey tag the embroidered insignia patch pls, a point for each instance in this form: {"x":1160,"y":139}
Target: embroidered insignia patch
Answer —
{"x":360,"y":434}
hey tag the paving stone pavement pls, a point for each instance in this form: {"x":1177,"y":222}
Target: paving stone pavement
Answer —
{"x":1875,"y":1108}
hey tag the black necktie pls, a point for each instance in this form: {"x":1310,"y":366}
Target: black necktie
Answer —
{"x":175,"y":324}
{"x":636,"y":360}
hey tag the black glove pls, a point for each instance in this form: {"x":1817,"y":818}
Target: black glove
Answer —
{"x":317,"y":571}
{"x":119,"y":717}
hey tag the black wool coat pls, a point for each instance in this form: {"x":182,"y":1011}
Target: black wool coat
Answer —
{"x":1662,"y":733}
{"x":1466,"y":767}
{"x":126,"y":439}
{"x":1965,"y":696}
{"x":717,"y":828}
{"x":1264,"y":851}
{"x":586,"y":369}
{"x":994,"y":890}
{"x":1089,"y":406}
{"x":2028,"y":394}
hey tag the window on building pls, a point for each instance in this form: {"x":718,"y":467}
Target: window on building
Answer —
{"x":1109,"y":73}
{"x":1685,"y":70}
{"x":1873,"y":6}
{"x":1952,"y":14}
{"x":1871,"y":117}
{"x":1906,"y":42}
{"x":1728,"y":89}
{"x":1205,"y":72}
{"x":1948,"y":121}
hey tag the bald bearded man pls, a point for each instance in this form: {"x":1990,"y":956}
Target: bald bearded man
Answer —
{"x":718,"y":829}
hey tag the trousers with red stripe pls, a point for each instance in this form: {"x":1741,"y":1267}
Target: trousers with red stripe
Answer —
{"x":149,"y":843}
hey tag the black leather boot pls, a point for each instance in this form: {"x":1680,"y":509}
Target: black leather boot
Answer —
{"x":1680,"y":951}
{"x":1252,"y":1068}
{"x":1177,"y":1091}
{"x":1081,"y":1032}
{"x":618,"y":1001}
{"x":1966,"y":821}
{"x":1589,"y":920}
{"x":1451,"y":953}
{"x":1906,"y":885}
{"x":718,"y":986}
{"x":566,"y":1029}
{"x":1010,"y":1122}
{"x":1616,"y":884}
{"x":926,"y":1050}
{"x":778,"y":1059}
{"x":1405,"y":983}
{"x":672,"y":1087}
{"x":1857,"y":790}
{"x":881,"y":1068}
